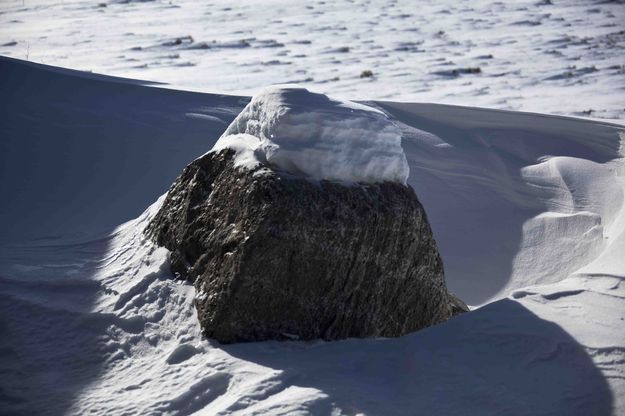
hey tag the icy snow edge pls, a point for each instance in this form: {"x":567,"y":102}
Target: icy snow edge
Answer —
{"x":308,"y":134}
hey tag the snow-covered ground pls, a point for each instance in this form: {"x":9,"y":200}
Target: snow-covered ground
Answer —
{"x":528,"y":211}
{"x":530,"y":55}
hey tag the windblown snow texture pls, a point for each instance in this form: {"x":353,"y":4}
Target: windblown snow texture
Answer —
{"x":548,"y":56}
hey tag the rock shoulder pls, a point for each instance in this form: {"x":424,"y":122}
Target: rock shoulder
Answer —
{"x":274,"y":256}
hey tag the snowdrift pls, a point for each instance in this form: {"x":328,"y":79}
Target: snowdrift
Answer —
{"x":527,"y":210}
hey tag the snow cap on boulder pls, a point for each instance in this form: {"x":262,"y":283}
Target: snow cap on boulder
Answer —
{"x":308,"y":134}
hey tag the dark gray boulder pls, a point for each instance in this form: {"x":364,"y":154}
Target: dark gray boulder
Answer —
{"x":274,"y":256}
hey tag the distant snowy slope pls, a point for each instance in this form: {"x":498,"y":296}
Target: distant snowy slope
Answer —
{"x":528,"y":211}
{"x":529,"y":55}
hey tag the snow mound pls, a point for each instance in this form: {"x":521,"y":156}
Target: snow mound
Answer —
{"x":528,"y":211}
{"x":309,"y":134}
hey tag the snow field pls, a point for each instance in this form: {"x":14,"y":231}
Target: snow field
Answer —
{"x":525,"y":55}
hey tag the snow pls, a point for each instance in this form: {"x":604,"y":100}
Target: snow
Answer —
{"x":527,"y":210}
{"x":532,"y":56}
{"x":493,"y":184}
{"x":304,"y":133}
{"x":87,"y":153}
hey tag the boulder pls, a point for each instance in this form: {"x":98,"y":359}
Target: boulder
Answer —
{"x":279,"y":257}
{"x":299,"y":225}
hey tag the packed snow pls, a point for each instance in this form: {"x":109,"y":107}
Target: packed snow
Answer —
{"x":308,"y":134}
{"x":560,"y":56}
{"x":527,"y":209}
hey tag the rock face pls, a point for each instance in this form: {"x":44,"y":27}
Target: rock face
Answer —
{"x":276,"y":256}
{"x":299,"y":225}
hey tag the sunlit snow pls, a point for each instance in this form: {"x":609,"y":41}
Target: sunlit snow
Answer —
{"x":310,"y":134}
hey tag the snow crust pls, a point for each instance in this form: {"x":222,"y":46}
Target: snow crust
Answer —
{"x":310,"y":134}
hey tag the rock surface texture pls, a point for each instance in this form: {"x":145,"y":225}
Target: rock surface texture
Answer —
{"x":276,"y":256}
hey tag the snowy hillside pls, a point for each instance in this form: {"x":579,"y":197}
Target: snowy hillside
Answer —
{"x":528,"y":211}
{"x":529,"y":55}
